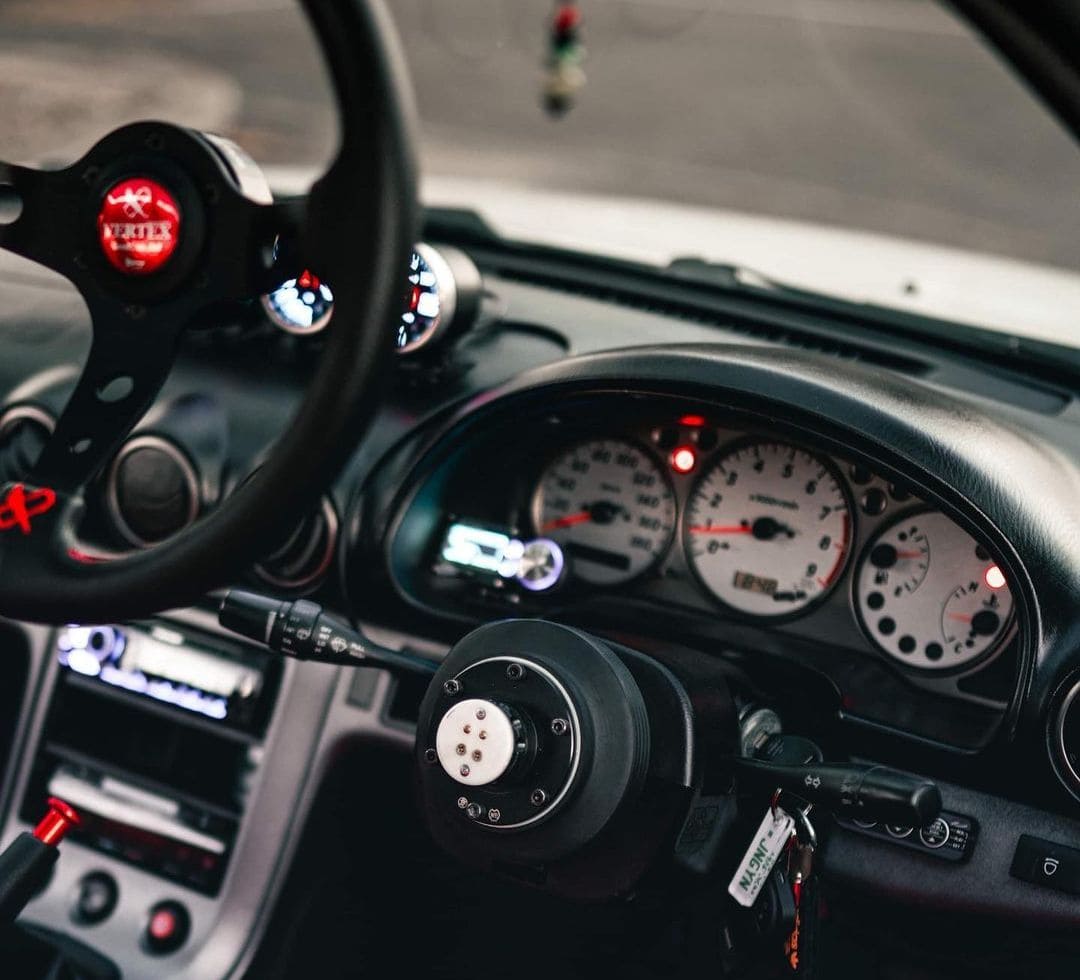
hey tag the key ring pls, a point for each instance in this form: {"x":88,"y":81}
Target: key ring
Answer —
{"x":804,"y":829}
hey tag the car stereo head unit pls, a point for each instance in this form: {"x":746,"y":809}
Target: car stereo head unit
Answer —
{"x":228,"y":684}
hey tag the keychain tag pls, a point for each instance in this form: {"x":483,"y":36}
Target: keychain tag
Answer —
{"x":759,"y":859}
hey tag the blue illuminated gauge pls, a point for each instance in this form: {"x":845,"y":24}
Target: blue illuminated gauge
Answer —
{"x":302,"y":305}
{"x":430,"y":300}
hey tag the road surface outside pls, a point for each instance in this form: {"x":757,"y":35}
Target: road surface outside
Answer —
{"x":883,"y":115}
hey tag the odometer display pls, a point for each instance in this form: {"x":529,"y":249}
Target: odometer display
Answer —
{"x":768,"y":529}
{"x":610,"y":508}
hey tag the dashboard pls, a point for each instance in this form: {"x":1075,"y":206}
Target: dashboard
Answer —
{"x":874,"y":537}
{"x":673,"y":516}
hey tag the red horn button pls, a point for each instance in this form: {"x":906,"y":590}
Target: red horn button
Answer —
{"x":138,"y":226}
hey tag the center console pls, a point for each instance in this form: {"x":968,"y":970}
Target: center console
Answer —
{"x":154,"y":734}
{"x":193,"y":758}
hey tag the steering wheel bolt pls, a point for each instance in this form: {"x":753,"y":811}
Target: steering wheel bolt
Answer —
{"x":494,"y":815}
{"x":538,"y":797}
{"x":515,"y":672}
{"x":474,"y":811}
{"x":431,"y":756}
{"x":452,"y":687}
{"x":559,"y":726}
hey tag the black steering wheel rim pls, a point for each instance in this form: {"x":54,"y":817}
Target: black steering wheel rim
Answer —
{"x":359,"y":227}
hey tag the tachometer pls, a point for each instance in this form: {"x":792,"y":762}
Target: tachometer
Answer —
{"x":929,"y":595}
{"x":768,"y":528}
{"x":610,"y":508}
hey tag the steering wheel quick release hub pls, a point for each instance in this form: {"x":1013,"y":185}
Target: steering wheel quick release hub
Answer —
{"x":590,"y":797}
{"x":511,"y":751}
{"x":476,"y":742}
{"x":138,"y":225}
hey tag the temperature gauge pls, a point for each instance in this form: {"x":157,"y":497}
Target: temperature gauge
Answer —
{"x":929,"y":595}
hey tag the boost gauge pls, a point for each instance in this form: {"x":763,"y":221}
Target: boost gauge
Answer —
{"x":610,"y":508}
{"x":929,"y":595}
{"x":768,"y":529}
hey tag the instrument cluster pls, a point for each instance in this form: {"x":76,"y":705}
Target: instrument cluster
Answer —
{"x":759,"y":528}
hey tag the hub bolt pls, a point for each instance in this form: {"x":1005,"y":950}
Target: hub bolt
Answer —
{"x":473,"y":811}
{"x":431,"y":757}
{"x":559,"y":726}
{"x":494,"y":815}
{"x":462,"y":802}
{"x":515,"y":672}
{"x":538,"y":797}
{"x":452,"y":687}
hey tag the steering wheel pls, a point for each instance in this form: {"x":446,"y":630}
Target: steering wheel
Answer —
{"x":155,"y":227}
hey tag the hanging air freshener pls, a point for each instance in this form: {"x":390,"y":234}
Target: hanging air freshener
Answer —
{"x":565,"y":55}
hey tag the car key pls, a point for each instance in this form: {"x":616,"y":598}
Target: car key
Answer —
{"x":798,"y":948}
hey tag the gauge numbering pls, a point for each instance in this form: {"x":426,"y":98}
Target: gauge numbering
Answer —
{"x":609,"y":506}
{"x":768,"y":529}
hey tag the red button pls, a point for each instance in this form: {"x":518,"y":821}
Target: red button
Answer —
{"x":138,"y":226}
{"x":167,"y":927}
{"x":162,"y":926}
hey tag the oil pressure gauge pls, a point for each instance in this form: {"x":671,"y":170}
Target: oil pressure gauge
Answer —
{"x":929,"y":595}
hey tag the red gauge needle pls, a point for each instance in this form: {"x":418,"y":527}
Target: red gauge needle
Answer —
{"x":909,"y":554}
{"x":961,"y":617}
{"x":721,"y":529}
{"x":568,"y":521}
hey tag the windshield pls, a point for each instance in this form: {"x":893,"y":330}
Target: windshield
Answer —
{"x":752,"y":122}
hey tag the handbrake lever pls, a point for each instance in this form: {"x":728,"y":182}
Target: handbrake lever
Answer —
{"x":863,"y":792}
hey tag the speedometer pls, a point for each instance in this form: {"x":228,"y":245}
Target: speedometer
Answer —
{"x":610,"y":508}
{"x":929,"y":595}
{"x":768,"y":529}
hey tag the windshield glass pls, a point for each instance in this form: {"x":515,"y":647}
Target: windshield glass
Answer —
{"x":768,"y":129}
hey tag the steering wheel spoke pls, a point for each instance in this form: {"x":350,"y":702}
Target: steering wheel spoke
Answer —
{"x":270,"y":235}
{"x":120,"y":380}
{"x":157,"y":225}
{"x":37,"y":215}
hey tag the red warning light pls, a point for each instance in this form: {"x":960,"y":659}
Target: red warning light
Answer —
{"x":683,"y":459}
{"x":994,"y":578}
{"x":692,"y":421}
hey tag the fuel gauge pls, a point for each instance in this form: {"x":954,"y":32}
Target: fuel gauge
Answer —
{"x":929,"y":595}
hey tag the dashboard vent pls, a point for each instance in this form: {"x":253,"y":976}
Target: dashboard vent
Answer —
{"x":303,"y":558}
{"x":1064,"y":735}
{"x":743,"y":324}
{"x":24,"y":430}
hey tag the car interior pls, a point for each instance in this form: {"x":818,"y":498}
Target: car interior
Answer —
{"x":396,"y":582}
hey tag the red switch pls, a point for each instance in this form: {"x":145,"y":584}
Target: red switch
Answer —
{"x":57,"y":822}
{"x":168,"y":927}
